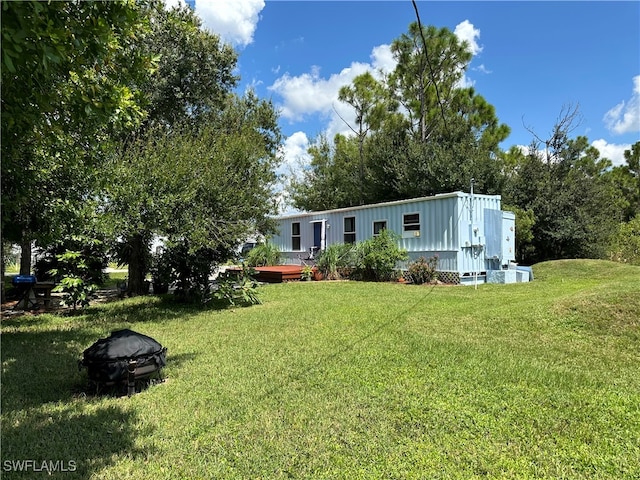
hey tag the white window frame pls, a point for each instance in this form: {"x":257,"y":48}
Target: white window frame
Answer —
{"x":411,"y":232}
{"x":373,"y":226}
{"x":298,"y":236}
{"x":344,"y":230}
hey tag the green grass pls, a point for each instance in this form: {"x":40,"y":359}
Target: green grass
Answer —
{"x":348,"y":380}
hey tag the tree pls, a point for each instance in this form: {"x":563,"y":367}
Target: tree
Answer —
{"x":567,"y":190}
{"x":626,"y":179}
{"x":202,"y":189}
{"x":418,"y":132}
{"x":333,"y":177}
{"x":625,"y":244}
{"x":431,"y":63}
{"x":195,"y":69}
{"x":68,"y":84}
{"x":367,"y":97}
{"x":192,"y":82}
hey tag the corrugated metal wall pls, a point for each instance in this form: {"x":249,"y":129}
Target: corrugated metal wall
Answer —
{"x":451,"y":225}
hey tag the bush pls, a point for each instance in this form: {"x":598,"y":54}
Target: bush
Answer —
{"x":92,"y":253}
{"x":625,"y":244}
{"x":375,"y":259}
{"x":191,"y":270}
{"x":263,"y":255}
{"x":76,"y":279}
{"x":161,"y":272}
{"x":422,"y":270}
{"x":335,"y":261}
{"x":237,"y":290}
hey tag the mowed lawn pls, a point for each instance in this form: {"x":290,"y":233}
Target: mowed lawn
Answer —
{"x":347,"y":380}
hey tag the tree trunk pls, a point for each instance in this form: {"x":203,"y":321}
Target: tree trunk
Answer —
{"x":2,"y":296}
{"x":25,"y":256}
{"x":137,"y":265}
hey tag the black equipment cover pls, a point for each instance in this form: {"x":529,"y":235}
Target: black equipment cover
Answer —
{"x":112,"y":359}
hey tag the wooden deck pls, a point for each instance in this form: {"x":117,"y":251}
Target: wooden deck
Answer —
{"x":276,"y":273}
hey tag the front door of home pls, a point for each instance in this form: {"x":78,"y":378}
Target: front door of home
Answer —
{"x":317,"y":235}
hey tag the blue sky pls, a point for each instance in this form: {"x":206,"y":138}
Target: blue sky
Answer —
{"x":530,"y":60}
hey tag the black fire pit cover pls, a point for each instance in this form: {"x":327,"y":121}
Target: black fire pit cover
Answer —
{"x":123,"y":353}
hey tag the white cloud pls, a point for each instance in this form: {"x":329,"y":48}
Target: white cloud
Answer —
{"x":466,"y":32}
{"x":294,"y":153}
{"x":234,"y":20}
{"x":625,"y":117}
{"x":382,"y":58}
{"x":613,"y":152}
{"x":311,"y":94}
{"x":482,"y":69}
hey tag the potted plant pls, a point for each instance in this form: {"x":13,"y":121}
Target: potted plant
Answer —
{"x":307,"y":273}
{"x":317,"y":274}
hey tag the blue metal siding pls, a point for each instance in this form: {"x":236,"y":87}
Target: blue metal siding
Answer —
{"x":451,"y":226}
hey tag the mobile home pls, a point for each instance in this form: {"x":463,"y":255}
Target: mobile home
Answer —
{"x":472,"y":237}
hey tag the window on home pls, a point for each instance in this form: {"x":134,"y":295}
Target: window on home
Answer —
{"x":295,"y":236}
{"x":411,"y":225}
{"x":379,"y":226}
{"x":349,"y":229}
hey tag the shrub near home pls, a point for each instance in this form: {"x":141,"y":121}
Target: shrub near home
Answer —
{"x":347,"y":380}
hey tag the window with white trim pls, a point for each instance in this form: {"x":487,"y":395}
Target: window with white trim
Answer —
{"x":295,"y":236}
{"x":411,"y":225}
{"x":349,"y":229}
{"x":378,"y":226}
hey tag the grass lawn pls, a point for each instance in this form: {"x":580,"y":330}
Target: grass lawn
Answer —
{"x":347,"y":380}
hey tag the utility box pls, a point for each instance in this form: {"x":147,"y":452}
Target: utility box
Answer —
{"x":502,"y":276}
{"x":500,"y":231}
{"x":508,"y":236}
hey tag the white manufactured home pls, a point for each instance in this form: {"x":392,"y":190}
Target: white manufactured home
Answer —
{"x":472,"y":237}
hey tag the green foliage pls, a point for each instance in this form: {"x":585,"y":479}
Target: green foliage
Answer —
{"x":306,"y":273}
{"x":416,"y":132}
{"x":92,"y":255}
{"x":195,"y":70}
{"x":422,"y":270}
{"x":336,"y":261}
{"x":263,"y":254}
{"x":237,"y":289}
{"x":625,"y":244}
{"x":375,"y":259}
{"x":626,"y":179}
{"x":208,"y":186}
{"x":77,"y":291}
{"x":192,"y":269}
{"x":75,"y":280}
{"x":161,"y":271}
{"x":573,"y":202}
{"x":69,"y":81}
{"x":333,"y":180}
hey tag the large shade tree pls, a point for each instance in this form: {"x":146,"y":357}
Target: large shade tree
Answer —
{"x":69,"y":76}
{"x":204,"y":189}
{"x":193,"y":79}
{"x":564,"y":184}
